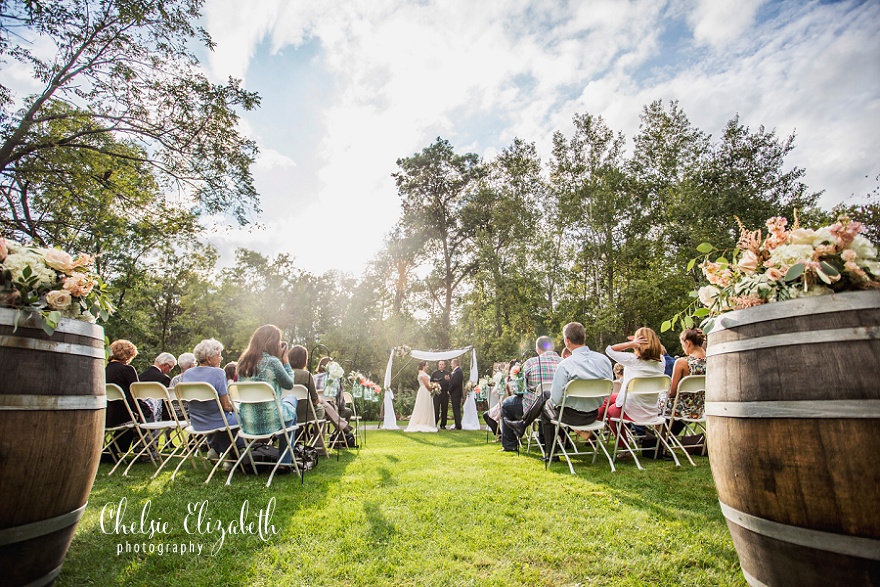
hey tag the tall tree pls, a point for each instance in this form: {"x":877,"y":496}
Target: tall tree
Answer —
{"x":435,"y":186}
{"x":122,"y":69}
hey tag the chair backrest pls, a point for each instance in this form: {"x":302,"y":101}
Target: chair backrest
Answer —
{"x":198,"y":391}
{"x":349,"y":401}
{"x":692,"y":384}
{"x":149,"y":390}
{"x":253,"y":392}
{"x":300,"y":391}
{"x":114,"y":392}
{"x":593,"y":389}
{"x":617,"y":384}
{"x":545,"y":387}
{"x":648,"y":385}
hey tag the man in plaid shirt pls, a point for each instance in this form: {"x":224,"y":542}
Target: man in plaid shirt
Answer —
{"x":519,"y":411}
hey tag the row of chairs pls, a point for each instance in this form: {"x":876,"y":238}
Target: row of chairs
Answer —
{"x":597,"y":434}
{"x":189,"y":439}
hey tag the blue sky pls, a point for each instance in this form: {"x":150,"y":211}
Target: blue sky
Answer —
{"x":349,"y":87}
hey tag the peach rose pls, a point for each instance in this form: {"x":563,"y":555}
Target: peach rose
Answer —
{"x":748,"y":262}
{"x":774,"y":274}
{"x":79,"y":284}
{"x":59,"y":299}
{"x":58,"y":260}
{"x":848,"y":255}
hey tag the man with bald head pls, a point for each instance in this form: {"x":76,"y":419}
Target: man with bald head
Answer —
{"x":518,"y":411}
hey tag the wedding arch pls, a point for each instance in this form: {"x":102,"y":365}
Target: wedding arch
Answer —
{"x":432,"y":356}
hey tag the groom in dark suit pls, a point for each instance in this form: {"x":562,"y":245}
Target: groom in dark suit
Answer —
{"x":441,"y":400}
{"x":456,"y":381}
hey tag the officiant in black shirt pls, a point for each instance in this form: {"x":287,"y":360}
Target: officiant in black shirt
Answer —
{"x":441,"y":400}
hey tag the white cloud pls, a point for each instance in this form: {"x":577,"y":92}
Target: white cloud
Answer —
{"x":405,"y":72}
{"x":717,"y":22}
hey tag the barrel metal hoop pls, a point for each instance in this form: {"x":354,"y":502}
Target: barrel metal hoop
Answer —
{"x":839,"y":302}
{"x":65,"y":325}
{"x":752,"y":580}
{"x":35,"y":529}
{"x":794,"y":339}
{"x":45,"y":579}
{"x":37,"y":344}
{"x":857,"y":546}
{"x":52,"y":402}
{"x":815,"y":408}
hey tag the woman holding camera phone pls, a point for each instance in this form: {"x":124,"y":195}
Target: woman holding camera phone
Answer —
{"x":266,"y":360}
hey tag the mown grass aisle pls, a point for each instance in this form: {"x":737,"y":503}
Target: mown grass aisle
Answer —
{"x":416,"y":509}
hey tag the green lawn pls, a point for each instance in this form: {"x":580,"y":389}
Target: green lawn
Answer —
{"x":420,"y":509}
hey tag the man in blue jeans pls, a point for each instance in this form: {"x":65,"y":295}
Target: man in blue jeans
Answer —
{"x":518,"y":411}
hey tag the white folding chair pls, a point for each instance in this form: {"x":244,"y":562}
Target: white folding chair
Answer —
{"x":260,"y":392}
{"x":533,"y":430}
{"x":302,"y":395}
{"x":645,"y":391}
{"x":112,"y":433}
{"x":597,"y":391}
{"x":153,"y":390}
{"x":188,"y":392}
{"x":689,"y":408}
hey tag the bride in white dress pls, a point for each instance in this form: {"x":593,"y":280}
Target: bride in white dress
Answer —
{"x":422,"y":419}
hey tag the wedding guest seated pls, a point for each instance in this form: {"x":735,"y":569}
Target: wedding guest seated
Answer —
{"x":693,"y":363}
{"x":158,"y":372}
{"x":266,"y":360}
{"x":231,"y":370}
{"x":120,"y":372}
{"x":519,"y":411}
{"x":582,"y":364}
{"x":298,"y":357}
{"x":498,"y":389}
{"x":205,"y":415}
{"x":646,"y":360}
{"x":185,"y":361}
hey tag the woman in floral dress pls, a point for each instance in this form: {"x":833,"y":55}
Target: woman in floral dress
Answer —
{"x":693,"y":363}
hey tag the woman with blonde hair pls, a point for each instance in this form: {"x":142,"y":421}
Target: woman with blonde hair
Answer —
{"x":646,"y":360}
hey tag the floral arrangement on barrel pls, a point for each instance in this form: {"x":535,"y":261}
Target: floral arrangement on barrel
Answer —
{"x":49,"y":284}
{"x":402,"y":351}
{"x":787,"y":264}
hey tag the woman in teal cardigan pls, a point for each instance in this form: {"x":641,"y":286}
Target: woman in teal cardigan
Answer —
{"x":266,"y":360}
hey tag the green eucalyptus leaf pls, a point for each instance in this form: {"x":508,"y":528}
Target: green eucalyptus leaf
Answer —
{"x":794,"y":272}
{"x":665,"y":326}
{"x":688,"y":322}
{"x":691,"y":264}
{"x":705,"y":248}
{"x":694,"y":294}
{"x":701,"y":312}
{"x":722,"y":261}
{"x":829,"y":269}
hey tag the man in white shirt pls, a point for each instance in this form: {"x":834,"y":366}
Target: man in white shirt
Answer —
{"x":582,"y":364}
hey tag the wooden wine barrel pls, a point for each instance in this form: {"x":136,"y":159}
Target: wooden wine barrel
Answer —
{"x":52,"y":404}
{"x":793,"y":421}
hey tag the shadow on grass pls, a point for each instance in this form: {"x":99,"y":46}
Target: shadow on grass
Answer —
{"x":192,"y":513}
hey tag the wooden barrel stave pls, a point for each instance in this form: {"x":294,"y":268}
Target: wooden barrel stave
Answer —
{"x":51,"y":434}
{"x":792,"y":436}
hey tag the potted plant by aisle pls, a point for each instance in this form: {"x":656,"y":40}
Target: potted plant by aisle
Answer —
{"x":52,"y":404}
{"x":793,"y":401}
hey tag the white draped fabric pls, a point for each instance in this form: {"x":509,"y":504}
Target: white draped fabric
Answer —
{"x":436,"y":356}
{"x":390,"y":421}
{"x":470,"y":420}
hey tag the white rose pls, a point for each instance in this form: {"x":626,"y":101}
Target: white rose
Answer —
{"x":863,"y":248}
{"x":708,"y":294}
{"x":803,"y":236}
{"x":58,"y":260}
{"x":823,"y":235}
{"x":59,"y":299}
{"x":787,"y":255}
